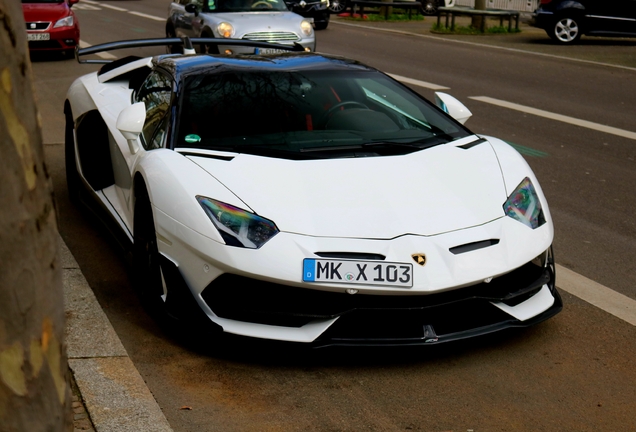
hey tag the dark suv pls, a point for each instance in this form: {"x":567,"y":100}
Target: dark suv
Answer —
{"x":566,"y":20}
{"x":316,"y":9}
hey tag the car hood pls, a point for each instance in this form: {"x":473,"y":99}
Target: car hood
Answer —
{"x":44,"y":11}
{"x":248,"y":22}
{"x":430,"y":192}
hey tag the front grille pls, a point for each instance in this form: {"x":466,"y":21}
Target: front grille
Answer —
{"x":49,"y":44}
{"x":272,"y":37}
{"x":251,"y":300}
{"x":37,"y":25}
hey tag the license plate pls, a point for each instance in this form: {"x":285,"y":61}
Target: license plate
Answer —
{"x":358,"y":272}
{"x":38,"y":36}
{"x":269,"y":51}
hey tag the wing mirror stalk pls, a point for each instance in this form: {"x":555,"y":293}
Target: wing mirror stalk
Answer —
{"x":453,"y":107}
{"x":130,"y":123}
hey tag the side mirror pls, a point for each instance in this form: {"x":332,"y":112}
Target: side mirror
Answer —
{"x":452,"y":106}
{"x":192,"y":8}
{"x":130,"y":123}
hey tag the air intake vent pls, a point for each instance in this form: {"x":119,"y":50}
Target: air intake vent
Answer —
{"x":473,"y":246}
{"x":472,"y":144}
{"x":272,"y":37}
{"x":352,"y":255}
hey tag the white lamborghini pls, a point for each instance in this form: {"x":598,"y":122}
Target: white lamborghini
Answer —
{"x":308,"y":198}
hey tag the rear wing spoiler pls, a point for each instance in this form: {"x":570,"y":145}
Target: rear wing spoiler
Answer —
{"x":172,"y":43}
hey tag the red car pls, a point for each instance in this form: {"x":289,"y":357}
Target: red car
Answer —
{"x":51,"y":25}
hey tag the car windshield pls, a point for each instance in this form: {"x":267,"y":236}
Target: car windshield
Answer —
{"x":245,"y":5}
{"x":308,"y":114}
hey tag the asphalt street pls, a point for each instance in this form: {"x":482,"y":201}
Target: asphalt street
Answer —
{"x":113,"y":390}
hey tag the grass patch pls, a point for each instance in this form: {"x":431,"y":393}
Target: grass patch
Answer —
{"x":374,"y":16}
{"x":468,"y":30}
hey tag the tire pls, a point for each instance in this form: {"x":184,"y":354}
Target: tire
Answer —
{"x":146,"y":265}
{"x":321,"y":25}
{"x":429,"y":7}
{"x":73,"y":181}
{"x":338,"y":6}
{"x":566,"y":29}
{"x":208,"y":49}
{"x":170,"y":33}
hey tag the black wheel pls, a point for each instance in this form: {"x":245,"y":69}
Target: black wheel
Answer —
{"x":208,"y":49}
{"x":73,"y":181}
{"x":429,"y":7}
{"x":146,"y":266}
{"x":322,"y":24}
{"x":566,"y":29}
{"x":337,"y":6}
{"x":170,"y":33}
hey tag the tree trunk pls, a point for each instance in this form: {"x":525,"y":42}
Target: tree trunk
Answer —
{"x":476,"y":20}
{"x":34,"y":390}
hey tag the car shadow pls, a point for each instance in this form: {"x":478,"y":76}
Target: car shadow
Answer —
{"x":48,"y":56}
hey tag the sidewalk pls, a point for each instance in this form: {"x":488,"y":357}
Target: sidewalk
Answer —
{"x":113,"y":396}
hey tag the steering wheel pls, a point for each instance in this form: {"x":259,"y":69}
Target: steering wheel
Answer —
{"x":342,"y":104}
{"x":262,"y":3}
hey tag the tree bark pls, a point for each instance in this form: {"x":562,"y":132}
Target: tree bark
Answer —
{"x":476,"y":20}
{"x":34,"y":389}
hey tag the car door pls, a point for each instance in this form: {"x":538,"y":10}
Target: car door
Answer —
{"x":157,"y":94}
{"x":186,"y":23}
{"x":616,"y":16}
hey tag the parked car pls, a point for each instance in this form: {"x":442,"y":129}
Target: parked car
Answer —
{"x":566,"y":20}
{"x":429,"y":7}
{"x":51,"y":25}
{"x":318,"y":10}
{"x":256,"y":20}
{"x":308,"y":198}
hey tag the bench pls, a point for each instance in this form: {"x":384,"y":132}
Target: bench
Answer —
{"x":410,"y":5}
{"x":452,"y":12}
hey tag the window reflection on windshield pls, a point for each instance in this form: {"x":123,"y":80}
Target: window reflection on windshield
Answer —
{"x":302,"y":112}
{"x":245,"y":5}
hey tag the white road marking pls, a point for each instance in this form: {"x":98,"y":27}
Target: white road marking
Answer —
{"x":418,"y":83}
{"x":104,"y":55}
{"x":143,"y":15}
{"x":596,"y":294}
{"x":105,"y":5}
{"x":401,"y":32}
{"x":86,"y":7}
{"x":558,"y":117}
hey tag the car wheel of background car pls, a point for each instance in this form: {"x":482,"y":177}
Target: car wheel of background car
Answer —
{"x":337,"y":6}
{"x":146,"y":267}
{"x":170,"y":33}
{"x":429,"y":7}
{"x":566,"y":29}
{"x":208,"y":49}
{"x":73,"y":180}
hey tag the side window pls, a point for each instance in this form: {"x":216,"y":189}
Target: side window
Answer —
{"x":156,"y":93}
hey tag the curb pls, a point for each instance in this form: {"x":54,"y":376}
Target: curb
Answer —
{"x":114,"y":393}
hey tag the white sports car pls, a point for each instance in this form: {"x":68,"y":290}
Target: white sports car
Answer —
{"x":308,"y":198}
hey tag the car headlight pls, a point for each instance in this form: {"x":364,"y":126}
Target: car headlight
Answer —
{"x":325,"y":2}
{"x":306,"y":28}
{"x":524,"y":205}
{"x":64,"y":22}
{"x":225,"y":30}
{"x":238,"y":227}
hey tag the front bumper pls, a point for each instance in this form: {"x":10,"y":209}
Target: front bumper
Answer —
{"x":542,"y":19}
{"x":257,"y":293}
{"x":62,"y":39}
